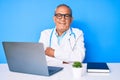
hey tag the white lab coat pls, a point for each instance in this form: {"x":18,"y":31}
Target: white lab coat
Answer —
{"x":70,"y":49}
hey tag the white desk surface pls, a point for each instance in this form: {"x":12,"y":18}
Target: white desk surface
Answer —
{"x":65,"y":74}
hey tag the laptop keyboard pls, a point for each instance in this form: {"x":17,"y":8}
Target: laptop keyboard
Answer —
{"x":52,"y":69}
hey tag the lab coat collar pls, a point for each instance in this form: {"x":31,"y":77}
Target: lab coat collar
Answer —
{"x":70,"y":37}
{"x":68,"y":31}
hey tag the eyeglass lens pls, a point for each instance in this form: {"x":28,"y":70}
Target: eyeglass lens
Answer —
{"x":66,"y":16}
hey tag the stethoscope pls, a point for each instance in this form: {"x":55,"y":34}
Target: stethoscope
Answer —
{"x":71,"y":34}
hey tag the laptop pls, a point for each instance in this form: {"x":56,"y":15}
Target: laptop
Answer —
{"x":28,"y":57}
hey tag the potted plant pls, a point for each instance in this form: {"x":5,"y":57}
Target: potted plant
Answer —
{"x":77,"y":64}
{"x":77,"y":69}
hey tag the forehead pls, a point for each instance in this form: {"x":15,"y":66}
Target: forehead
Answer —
{"x":63,"y":10}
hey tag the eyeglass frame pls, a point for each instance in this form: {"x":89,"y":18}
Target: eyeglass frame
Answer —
{"x":66,"y":16}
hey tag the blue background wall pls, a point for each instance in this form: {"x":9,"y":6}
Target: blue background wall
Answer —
{"x":23,"y":20}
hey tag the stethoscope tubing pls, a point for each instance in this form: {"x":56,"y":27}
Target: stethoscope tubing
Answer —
{"x":50,"y":40}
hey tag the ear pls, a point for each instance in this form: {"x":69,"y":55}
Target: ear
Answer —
{"x":54,"y":19}
{"x":71,"y":20}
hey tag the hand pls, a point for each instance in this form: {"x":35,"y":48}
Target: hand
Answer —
{"x":49,"y":52}
{"x":65,"y":62}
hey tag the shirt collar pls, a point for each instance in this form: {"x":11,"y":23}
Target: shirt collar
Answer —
{"x":66,"y":32}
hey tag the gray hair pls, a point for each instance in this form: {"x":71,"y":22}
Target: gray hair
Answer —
{"x":65,"y":6}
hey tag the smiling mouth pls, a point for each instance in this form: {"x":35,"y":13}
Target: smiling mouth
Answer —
{"x":62,"y":23}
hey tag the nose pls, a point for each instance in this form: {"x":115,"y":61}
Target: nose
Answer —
{"x":63,"y":17}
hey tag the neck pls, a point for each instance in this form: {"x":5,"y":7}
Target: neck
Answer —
{"x":59,"y":32}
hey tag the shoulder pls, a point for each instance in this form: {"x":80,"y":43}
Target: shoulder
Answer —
{"x":46,"y":31}
{"x":77,"y":31}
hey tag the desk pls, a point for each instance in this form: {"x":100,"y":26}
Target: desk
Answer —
{"x":65,"y":74}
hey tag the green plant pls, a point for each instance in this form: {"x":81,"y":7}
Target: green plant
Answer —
{"x":77,"y":64}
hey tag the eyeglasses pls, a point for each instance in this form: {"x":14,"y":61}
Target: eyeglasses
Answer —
{"x":66,"y":16}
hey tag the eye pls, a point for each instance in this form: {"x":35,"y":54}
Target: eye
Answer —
{"x":58,"y":15}
{"x":67,"y":15}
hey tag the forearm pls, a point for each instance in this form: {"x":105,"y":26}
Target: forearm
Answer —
{"x":69,"y":55}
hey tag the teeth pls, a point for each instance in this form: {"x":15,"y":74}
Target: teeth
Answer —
{"x":62,"y":23}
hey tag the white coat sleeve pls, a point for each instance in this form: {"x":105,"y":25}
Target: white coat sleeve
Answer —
{"x":44,"y":38}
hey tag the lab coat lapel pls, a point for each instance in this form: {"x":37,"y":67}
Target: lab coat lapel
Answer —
{"x":72,"y":41}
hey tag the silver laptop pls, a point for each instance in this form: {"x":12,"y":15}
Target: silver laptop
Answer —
{"x":28,"y":57}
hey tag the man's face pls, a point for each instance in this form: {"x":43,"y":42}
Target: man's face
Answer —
{"x":62,"y":19}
